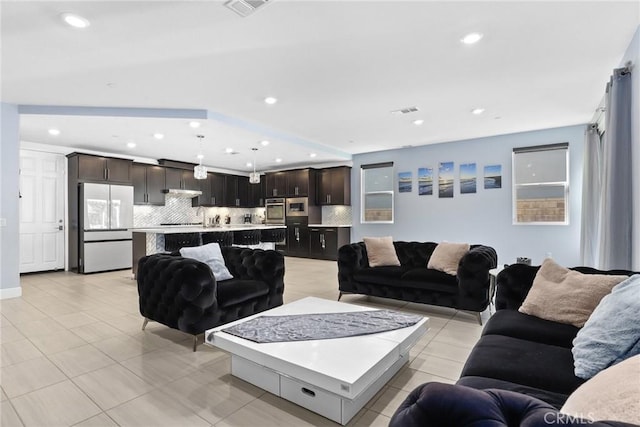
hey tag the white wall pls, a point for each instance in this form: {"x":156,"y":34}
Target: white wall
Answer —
{"x":9,"y":179}
{"x":633,"y":54}
{"x":484,"y":217}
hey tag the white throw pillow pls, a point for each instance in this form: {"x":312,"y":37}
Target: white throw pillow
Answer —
{"x":446,"y":257}
{"x":381,"y":252}
{"x":211,"y":255}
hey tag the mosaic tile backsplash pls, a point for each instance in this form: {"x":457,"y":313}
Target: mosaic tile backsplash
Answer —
{"x":179,"y":210}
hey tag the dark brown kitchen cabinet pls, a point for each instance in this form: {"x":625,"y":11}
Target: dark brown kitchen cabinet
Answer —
{"x":257,"y":193}
{"x":301,"y":182}
{"x":276,"y":184}
{"x":101,"y":169}
{"x":334,"y":186}
{"x":236,"y":191}
{"x":298,"y":237}
{"x":324,"y":242}
{"x":180,"y":179}
{"x":148,"y":183}
{"x":212,"y":190}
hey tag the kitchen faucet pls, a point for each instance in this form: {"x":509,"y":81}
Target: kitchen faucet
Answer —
{"x":204,"y":215}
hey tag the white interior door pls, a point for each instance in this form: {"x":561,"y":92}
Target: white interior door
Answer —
{"x":41,"y":211}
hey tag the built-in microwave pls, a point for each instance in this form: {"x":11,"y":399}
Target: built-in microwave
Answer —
{"x":297,"y":206}
{"x":274,"y":211}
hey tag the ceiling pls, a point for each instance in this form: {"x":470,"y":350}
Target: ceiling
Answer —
{"x":338,"y":69}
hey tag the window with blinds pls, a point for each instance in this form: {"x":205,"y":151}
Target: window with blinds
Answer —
{"x":541,"y":184}
{"x":376,"y":184}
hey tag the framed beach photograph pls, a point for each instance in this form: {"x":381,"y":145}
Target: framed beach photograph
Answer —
{"x":468,"y":178}
{"x":425,"y":181}
{"x":492,"y":176}
{"x":405,"y":182}
{"x":445,"y":180}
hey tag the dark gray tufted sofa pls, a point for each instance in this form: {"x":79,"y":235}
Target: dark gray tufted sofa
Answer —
{"x":182,"y":293}
{"x":412,"y":281}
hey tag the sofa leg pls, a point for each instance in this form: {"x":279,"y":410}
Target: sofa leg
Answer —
{"x":479,"y":317}
{"x":339,"y":296}
{"x":195,"y":342}
{"x":144,"y":324}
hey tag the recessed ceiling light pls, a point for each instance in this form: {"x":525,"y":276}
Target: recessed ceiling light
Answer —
{"x":75,"y":21}
{"x":200,"y":156}
{"x":131,"y":144}
{"x":418,"y":122}
{"x":278,"y":160}
{"x":264,"y":143}
{"x":249,"y":164}
{"x":312,"y":155}
{"x":477,"y":111}
{"x":194,"y":124}
{"x":228,"y":150}
{"x":472,"y":38}
{"x":270,"y":100}
{"x":158,"y":135}
{"x":54,"y":132}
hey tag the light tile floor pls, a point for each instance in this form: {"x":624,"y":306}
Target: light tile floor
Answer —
{"x":73,"y":354}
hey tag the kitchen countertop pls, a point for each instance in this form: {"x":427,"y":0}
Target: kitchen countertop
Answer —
{"x":200,"y":229}
{"x":330,"y":225}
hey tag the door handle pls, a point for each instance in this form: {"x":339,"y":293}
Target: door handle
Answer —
{"x":60,"y":227}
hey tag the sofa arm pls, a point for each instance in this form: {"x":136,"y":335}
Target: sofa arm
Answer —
{"x":473,"y":273}
{"x":256,"y":264}
{"x":513,"y":284}
{"x":351,"y":258}
{"x":176,"y":291}
{"x":436,"y":404}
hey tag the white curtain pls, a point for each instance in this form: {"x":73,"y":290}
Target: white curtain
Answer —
{"x":591,"y":197}
{"x":617,"y":193}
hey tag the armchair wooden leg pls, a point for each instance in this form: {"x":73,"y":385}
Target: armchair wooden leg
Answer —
{"x":144,"y":324}
{"x":479,"y":317}
{"x":195,"y":342}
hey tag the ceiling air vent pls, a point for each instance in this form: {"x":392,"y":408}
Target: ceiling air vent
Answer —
{"x":405,"y":110}
{"x":245,"y":7}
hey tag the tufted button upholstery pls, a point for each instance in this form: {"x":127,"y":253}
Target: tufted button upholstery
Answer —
{"x":412,"y":281}
{"x":183,"y":294}
{"x":436,"y":405}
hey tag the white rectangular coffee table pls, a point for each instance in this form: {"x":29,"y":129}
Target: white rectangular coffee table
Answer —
{"x":335,"y":377}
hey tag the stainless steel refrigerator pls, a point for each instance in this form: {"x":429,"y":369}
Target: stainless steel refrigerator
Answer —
{"x":106,"y":215}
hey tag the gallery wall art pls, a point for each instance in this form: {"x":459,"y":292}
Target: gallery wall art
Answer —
{"x":493,"y":176}
{"x":405,"y":181}
{"x":468,"y":178}
{"x":445,"y":180}
{"x":425,"y":181}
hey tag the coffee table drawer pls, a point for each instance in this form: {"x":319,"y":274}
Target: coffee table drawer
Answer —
{"x":310,"y":397}
{"x":255,"y":374}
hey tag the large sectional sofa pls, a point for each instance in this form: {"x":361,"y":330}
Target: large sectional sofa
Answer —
{"x":524,"y":361}
{"x":412,"y":281}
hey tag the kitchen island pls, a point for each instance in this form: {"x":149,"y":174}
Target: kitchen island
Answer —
{"x":151,"y":240}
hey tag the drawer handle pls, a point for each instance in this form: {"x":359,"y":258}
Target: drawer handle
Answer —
{"x":308,"y":392}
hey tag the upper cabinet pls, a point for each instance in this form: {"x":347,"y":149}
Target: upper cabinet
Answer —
{"x":301,"y":183}
{"x":334,"y":186}
{"x":148,"y":183}
{"x":257,"y":193}
{"x":236,"y":191}
{"x":101,"y":169}
{"x":276,"y":184}
{"x":212,"y":191}
{"x":181,"y":179}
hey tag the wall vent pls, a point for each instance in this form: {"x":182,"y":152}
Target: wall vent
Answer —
{"x":405,"y":110}
{"x":245,"y":7}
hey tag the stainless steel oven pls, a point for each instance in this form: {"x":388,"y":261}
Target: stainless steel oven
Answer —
{"x":274,"y":211}
{"x":297,"y":206}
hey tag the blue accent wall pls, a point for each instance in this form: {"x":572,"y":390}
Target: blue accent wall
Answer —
{"x":9,"y":212}
{"x":486,"y":216}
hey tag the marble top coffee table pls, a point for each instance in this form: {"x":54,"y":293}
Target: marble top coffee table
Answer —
{"x":335,"y":377}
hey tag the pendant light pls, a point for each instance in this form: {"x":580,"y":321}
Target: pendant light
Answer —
{"x":199,"y":171}
{"x":254,"y":178}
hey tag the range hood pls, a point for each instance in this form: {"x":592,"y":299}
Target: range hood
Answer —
{"x":178,"y":192}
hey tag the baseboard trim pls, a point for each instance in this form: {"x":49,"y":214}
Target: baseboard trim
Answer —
{"x":10,"y":293}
